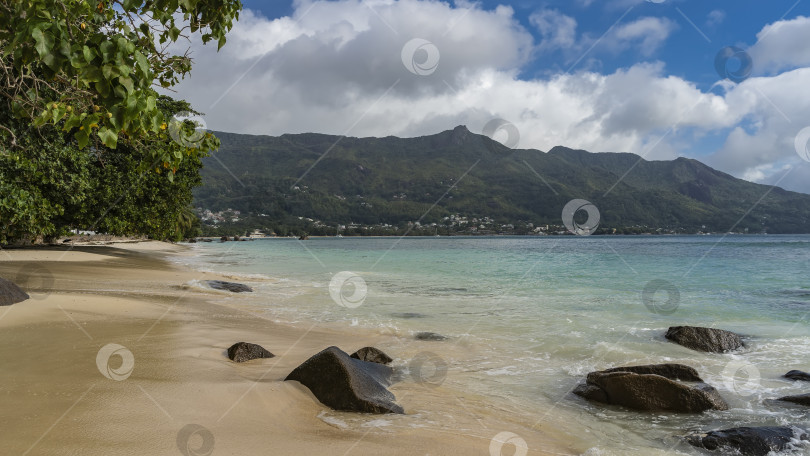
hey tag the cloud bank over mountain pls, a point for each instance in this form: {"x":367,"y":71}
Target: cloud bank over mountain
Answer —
{"x":338,"y":67}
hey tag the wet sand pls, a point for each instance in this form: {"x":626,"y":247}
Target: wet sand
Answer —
{"x":60,"y":397}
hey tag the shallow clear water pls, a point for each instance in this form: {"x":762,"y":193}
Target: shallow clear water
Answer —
{"x":528,"y":317}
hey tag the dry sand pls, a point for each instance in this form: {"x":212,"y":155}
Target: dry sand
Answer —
{"x":55,"y":398}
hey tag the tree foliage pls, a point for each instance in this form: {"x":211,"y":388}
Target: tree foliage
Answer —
{"x":54,"y":186}
{"x":86,"y":141}
{"x":91,"y":67}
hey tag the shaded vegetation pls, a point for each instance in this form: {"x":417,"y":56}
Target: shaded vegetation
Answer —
{"x":85,"y":140}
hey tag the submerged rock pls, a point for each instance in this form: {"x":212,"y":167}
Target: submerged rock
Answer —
{"x":801,"y":399}
{"x":372,"y":355}
{"x":747,"y":441}
{"x":798,"y":375}
{"x":228,"y":286}
{"x":704,"y":339}
{"x":408,"y":315}
{"x":656,"y":387}
{"x":427,"y":335}
{"x":344,"y":383}
{"x":244,"y":351}
{"x":10,"y":293}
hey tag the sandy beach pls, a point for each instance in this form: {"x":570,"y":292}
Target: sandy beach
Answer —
{"x":61,"y":397}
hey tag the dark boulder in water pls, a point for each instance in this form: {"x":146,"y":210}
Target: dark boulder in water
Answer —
{"x":229,"y":286}
{"x":801,"y":399}
{"x":652,"y":388}
{"x":746,"y":441}
{"x":244,"y":351}
{"x":344,"y":383}
{"x":704,"y":339}
{"x":427,"y":335}
{"x":372,"y":355}
{"x":798,"y":375}
{"x":10,"y":293}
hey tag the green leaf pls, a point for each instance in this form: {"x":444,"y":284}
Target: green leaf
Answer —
{"x":72,"y":121}
{"x":142,"y":63}
{"x":92,"y":74}
{"x":88,"y":54}
{"x":82,"y":138}
{"x":108,"y":137}
{"x":127,"y":83}
{"x":150,"y":103}
{"x":44,"y":42}
{"x":107,"y":71}
{"x":107,"y":50}
{"x":174,"y":32}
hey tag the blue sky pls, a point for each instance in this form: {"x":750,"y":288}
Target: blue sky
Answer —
{"x":613,"y":75}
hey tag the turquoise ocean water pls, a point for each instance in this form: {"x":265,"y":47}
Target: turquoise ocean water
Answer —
{"x":528,"y":317}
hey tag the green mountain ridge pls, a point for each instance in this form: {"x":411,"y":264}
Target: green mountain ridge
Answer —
{"x":390,"y":180}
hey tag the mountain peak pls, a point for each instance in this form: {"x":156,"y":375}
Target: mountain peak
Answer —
{"x":459,"y":135}
{"x":564,"y":150}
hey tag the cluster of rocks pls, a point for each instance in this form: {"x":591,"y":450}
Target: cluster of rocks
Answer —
{"x":354,"y":383}
{"x":678,"y":388}
{"x":226,"y":239}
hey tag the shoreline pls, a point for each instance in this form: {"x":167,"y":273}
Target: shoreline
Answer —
{"x":216,"y":239}
{"x":84,"y":298}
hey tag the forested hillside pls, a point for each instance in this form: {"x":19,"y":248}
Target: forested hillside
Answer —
{"x":397,"y":180}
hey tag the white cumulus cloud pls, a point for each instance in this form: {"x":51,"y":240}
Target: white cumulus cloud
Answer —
{"x":336,"y":67}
